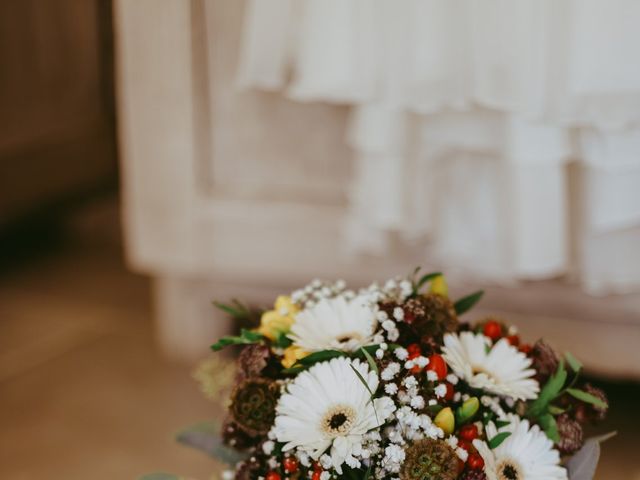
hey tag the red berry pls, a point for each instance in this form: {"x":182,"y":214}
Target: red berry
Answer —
{"x":316,"y":475}
{"x":469,"y":432}
{"x":438,"y":365}
{"x":409,"y":317}
{"x":290,"y":464}
{"x":514,"y":340}
{"x":414,"y":351}
{"x":415,"y":369}
{"x":526,"y":349}
{"x":317,"y":467}
{"x":475,"y":461}
{"x":272,"y":476}
{"x":493,"y":330}
{"x":463,"y":444}
{"x":450,"y":392}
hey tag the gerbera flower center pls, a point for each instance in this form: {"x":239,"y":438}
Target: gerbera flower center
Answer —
{"x":509,"y":470}
{"x":347,"y":337}
{"x":338,"y":420}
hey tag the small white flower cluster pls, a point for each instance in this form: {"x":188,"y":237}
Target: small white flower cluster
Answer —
{"x":493,"y":403}
{"x":317,"y":290}
{"x":394,"y":290}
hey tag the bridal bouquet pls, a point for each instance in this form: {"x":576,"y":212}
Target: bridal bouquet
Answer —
{"x":389,"y":383}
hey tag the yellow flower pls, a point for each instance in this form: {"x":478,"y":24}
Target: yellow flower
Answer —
{"x":439,"y":286}
{"x":279,"y":320}
{"x":291,"y":355}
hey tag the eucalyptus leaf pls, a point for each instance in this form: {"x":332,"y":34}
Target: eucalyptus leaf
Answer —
{"x":582,"y":465}
{"x":206,"y":436}
{"x":465,"y":303}
{"x":586,"y":397}
{"x":496,"y":441}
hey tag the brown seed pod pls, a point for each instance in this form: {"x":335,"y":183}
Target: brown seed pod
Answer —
{"x":429,"y":460}
{"x":253,"y":405}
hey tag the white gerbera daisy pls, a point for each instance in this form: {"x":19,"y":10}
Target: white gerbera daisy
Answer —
{"x":527,"y":454}
{"x":328,"y":406}
{"x":500,"y":369}
{"x":335,"y":323}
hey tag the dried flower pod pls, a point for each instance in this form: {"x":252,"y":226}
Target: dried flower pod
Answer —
{"x":571,"y":436}
{"x":253,"y":360}
{"x":473,"y":475}
{"x":235,"y":437}
{"x":248,"y":470}
{"x":439,"y":316}
{"x":545,"y":361}
{"x":587,"y":412}
{"x":253,"y":405}
{"x":429,"y":460}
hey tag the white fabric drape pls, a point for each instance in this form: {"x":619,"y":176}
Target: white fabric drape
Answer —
{"x":505,"y":134}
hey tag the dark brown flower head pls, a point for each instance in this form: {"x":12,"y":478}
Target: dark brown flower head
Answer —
{"x":473,"y":475}
{"x":250,"y":469}
{"x":253,"y":405}
{"x":253,"y":360}
{"x":571,"y":437}
{"x":236,"y":437}
{"x":429,"y":460}
{"x":437,"y":316}
{"x":587,"y":412}
{"x":545,"y":361}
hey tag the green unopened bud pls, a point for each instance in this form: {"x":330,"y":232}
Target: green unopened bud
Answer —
{"x":467,"y":410}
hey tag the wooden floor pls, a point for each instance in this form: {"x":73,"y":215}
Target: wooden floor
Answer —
{"x":85,"y":395}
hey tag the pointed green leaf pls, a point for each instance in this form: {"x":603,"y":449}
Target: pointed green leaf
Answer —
{"x":465,"y":303}
{"x":573,"y":362}
{"x":550,"y":391}
{"x":370,"y":360}
{"x":548,"y":424}
{"x":586,"y":397}
{"x":425,"y":278}
{"x":496,"y":441}
{"x":246,"y":337}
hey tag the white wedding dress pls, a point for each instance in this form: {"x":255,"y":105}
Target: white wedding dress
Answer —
{"x":503,"y":134}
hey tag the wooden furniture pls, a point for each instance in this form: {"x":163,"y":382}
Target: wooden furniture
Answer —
{"x":230,"y":193}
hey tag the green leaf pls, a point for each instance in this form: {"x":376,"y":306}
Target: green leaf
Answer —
{"x":246,"y":337}
{"x":424,"y":279}
{"x":160,"y":476}
{"x":553,"y":410}
{"x":498,"y":439}
{"x":465,"y":303}
{"x":501,"y":423}
{"x":548,"y":424}
{"x":372,"y":362}
{"x":366,"y":385}
{"x":573,"y":362}
{"x":206,"y":436}
{"x":237,"y":310}
{"x":320,"y":357}
{"x":586,"y":397}
{"x":550,"y":391}
{"x":282,"y":341}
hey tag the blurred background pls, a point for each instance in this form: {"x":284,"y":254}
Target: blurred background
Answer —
{"x":155,"y":156}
